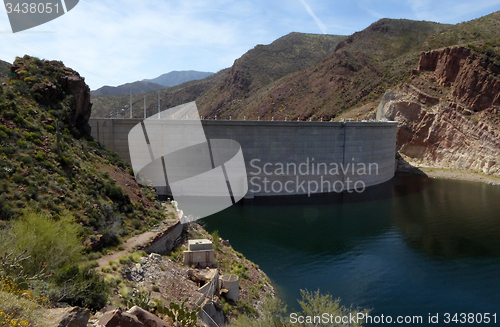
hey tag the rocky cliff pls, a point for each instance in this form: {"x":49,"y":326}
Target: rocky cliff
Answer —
{"x":52,"y":84}
{"x":449,"y":111}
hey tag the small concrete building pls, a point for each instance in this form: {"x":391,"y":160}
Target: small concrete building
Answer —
{"x":200,"y":254}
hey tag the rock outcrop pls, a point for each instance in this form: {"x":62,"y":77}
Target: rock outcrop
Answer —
{"x":54,"y":85}
{"x":473,"y":78}
{"x":135,"y":317}
{"x":456,"y":126}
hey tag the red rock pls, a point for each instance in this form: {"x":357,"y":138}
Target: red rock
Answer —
{"x":117,"y":318}
{"x":146,"y":318}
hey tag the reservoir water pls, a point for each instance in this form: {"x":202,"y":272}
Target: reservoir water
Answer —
{"x":412,"y":246}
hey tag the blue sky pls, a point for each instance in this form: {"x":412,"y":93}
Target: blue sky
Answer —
{"x":114,"y":42}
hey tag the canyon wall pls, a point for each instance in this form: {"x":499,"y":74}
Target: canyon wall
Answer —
{"x":448,"y":112}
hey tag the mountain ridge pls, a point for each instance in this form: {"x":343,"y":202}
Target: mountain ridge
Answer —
{"x":170,"y":79}
{"x":177,"y":77}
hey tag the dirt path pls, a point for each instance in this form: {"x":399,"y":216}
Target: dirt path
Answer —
{"x":141,"y":238}
{"x":127,"y":246}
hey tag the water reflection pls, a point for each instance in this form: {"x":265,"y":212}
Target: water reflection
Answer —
{"x":411,"y":246}
{"x":451,"y":219}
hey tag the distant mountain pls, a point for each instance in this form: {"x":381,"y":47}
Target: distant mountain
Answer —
{"x":173,"y":78}
{"x":135,"y":88}
{"x":178,"y":77}
{"x":257,"y":68}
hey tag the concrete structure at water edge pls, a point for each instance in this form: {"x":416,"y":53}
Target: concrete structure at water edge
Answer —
{"x":200,"y":254}
{"x":288,"y":158}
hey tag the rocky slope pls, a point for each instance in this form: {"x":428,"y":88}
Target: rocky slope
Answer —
{"x":51,"y":171}
{"x":449,"y":111}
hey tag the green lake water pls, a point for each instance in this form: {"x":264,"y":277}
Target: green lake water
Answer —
{"x":412,"y":246}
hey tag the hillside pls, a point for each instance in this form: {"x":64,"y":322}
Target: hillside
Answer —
{"x":178,"y":77}
{"x":134,"y":88}
{"x":63,"y":198}
{"x":362,"y":67}
{"x":4,"y":70}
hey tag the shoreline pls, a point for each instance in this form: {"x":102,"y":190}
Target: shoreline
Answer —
{"x":457,"y":174}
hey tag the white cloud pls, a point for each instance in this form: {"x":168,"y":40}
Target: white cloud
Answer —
{"x":115,"y":42}
{"x":318,"y":21}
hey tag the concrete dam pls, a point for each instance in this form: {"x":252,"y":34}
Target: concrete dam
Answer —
{"x":288,"y":158}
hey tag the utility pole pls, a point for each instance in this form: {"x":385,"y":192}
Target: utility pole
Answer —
{"x":158,"y":104}
{"x":144,"y":107}
{"x":130,"y":104}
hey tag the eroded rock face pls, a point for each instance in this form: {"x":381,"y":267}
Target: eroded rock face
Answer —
{"x":474,"y":80}
{"x":457,"y":126}
{"x":72,"y":83}
{"x":441,"y":136}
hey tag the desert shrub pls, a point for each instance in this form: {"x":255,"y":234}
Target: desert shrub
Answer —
{"x":66,"y":161}
{"x":215,"y":239}
{"x":4,"y":137}
{"x":20,"y":121}
{"x":81,"y":286}
{"x":7,"y":150}
{"x":10,"y":95}
{"x":27,"y":160}
{"x":6,"y":212}
{"x":137,"y":298}
{"x":17,"y":311}
{"x":136,"y":223}
{"x":115,"y":193}
{"x":312,"y":304}
{"x":22,"y":144}
{"x":40,"y":156}
{"x":180,"y":315}
{"x":50,"y":244}
{"x":20,"y":179}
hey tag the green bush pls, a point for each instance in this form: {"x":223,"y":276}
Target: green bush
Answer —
{"x":20,"y":121}
{"x":27,"y":160}
{"x":40,"y":156}
{"x":4,"y":137}
{"x":22,"y":144}
{"x":82,"y":286}
{"x":312,"y":304}
{"x":6,"y":212}
{"x":50,"y":244}
{"x":115,"y":193}
{"x":215,"y":239}
{"x":137,"y":298}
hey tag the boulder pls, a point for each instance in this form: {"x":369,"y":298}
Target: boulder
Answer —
{"x":67,"y":317}
{"x":117,"y":318}
{"x":146,"y":318}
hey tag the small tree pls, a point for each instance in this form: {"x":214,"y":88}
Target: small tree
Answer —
{"x":44,"y":244}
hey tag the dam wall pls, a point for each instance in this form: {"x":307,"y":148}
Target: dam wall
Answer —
{"x":289,"y":158}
